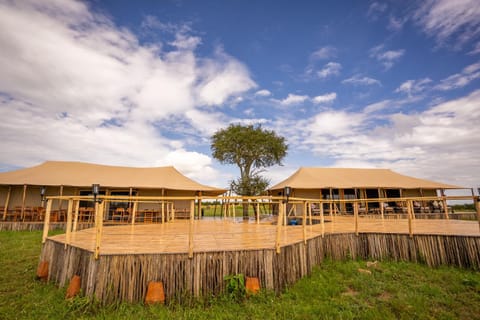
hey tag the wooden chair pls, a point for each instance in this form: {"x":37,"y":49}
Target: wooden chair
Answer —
{"x":118,"y":214}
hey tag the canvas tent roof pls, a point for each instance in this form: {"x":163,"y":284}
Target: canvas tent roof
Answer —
{"x":56,"y":173}
{"x":346,"y":178}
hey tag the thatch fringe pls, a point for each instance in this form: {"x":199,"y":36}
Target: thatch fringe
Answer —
{"x":126,"y":277}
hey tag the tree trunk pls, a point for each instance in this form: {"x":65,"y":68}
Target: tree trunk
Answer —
{"x":245,"y":210}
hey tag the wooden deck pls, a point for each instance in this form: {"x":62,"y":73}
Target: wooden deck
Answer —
{"x":226,"y":235}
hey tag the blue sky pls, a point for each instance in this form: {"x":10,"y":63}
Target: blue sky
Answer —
{"x":388,"y":84}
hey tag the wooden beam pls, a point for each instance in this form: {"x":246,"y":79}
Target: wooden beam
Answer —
{"x":77,"y":211}
{"x":61,"y":201}
{"x":258,"y":212}
{"x":199,"y":205}
{"x":322,"y":218}
{"x":477,"y":206}
{"x":163,"y":206}
{"x":381,"y":204}
{"x":46,"y":223}
{"x":304,"y":222}
{"x":7,"y":201}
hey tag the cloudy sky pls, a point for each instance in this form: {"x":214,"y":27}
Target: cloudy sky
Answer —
{"x":390,"y":84}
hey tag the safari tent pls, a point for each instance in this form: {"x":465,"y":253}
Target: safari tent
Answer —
{"x":20,"y":190}
{"x":350,"y":183}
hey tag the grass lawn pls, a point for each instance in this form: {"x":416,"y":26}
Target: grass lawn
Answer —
{"x":335,"y":290}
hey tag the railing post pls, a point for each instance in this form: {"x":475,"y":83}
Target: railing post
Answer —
{"x":7,"y":200}
{"x":304,"y":222}
{"x":258,"y":212}
{"x":68,"y":232}
{"x":279,"y":224}
{"x":46,"y":223}
{"x":77,"y":209}
{"x":322,"y":219}
{"x":409,"y":211}
{"x":190,"y":230}
{"x":98,"y":227}
{"x":355,"y":214}
{"x":445,"y":207}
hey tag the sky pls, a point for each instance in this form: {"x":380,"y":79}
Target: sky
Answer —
{"x":368,"y":84}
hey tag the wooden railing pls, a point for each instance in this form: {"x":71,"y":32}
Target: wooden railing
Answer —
{"x":285,"y":210}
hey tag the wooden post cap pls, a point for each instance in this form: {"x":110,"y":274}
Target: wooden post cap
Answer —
{"x":74,"y":287}
{"x":155,"y":293}
{"x":252,"y":285}
{"x":42,"y":270}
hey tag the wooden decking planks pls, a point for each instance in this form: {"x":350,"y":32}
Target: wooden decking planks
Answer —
{"x":226,"y":235}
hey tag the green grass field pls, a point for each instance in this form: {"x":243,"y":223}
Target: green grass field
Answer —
{"x":335,"y":290}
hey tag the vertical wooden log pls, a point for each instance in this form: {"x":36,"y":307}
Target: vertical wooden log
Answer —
{"x":409,"y":211}
{"x":46,"y":224}
{"x":190,"y":230}
{"x":355,"y":216}
{"x":322,"y":219}
{"x":279,"y":225}
{"x":284,"y":213}
{"x":341,"y":196}
{"x":381,"y":203}
{"x":77,"y":211}
{"x":68,"y":234}
{"x":7,"y":202}
{"x":99,"y":211}
{"x":304,"y":222}
{"x":330,"y":203}
{"x":24,"y":196}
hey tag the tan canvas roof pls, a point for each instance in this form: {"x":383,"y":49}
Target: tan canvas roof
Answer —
{"x":56,"y":173}
{"x":341,"y":178}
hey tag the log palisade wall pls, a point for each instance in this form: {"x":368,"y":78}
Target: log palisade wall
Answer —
{"x":126,"y":277}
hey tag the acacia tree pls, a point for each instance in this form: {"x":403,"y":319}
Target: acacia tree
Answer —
{"x":252,"y":149}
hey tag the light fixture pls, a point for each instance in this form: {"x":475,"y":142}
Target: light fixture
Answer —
{"x":287,"y":191}
{"x":96,"y":192}
{"x":43,"y":190}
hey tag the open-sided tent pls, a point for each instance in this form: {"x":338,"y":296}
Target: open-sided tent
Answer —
{"x":21,"y":188}
{"x":352,"y":183}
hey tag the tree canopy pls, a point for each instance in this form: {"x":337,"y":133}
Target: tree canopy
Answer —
{"x":252,"y":149}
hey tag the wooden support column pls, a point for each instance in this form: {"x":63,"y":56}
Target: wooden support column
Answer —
{"x":163,"y":206}
{"x":68,"y":232}
{"x":7,"y":201}
{"x":281,"y":213}
{"x":134,"y":212}
{"x":24,"y":196}
{"x":381,"y":203}
{"x":199,"y":205}
{"x":410,"y":213}
{"x":190,"y":231}
{"x":322,"y":218}
{"x":341,"y":196}
{"x":304,"y":222}
{"x":46,"y":223}
{"x":330,"y":203}
{"x":60,"y":201}
{"x":445,"y":208}
{"x":355,"y":215}
{"x":99,"y":211}
{"x":77,"y":210}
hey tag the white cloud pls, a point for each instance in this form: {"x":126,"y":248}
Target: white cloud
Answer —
{"x":458,"y":80}
{"x":476,"y":49}
{"x":359,"y":80}
{"x":446,"y":20}
{"x":377,"y":106}
{"x":410,"y":87}
{"x":293,"y":99}
{"x":330,"y":69}
{"x":329,"y":97}
{"x":323,"y":53}
{"x":387,"y":57}
{"x":77,"y":87}
{"x":263,"y":93}
{"x":440,"y":143}
{"x":376,"y":9}
{"x":395,"y":24}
